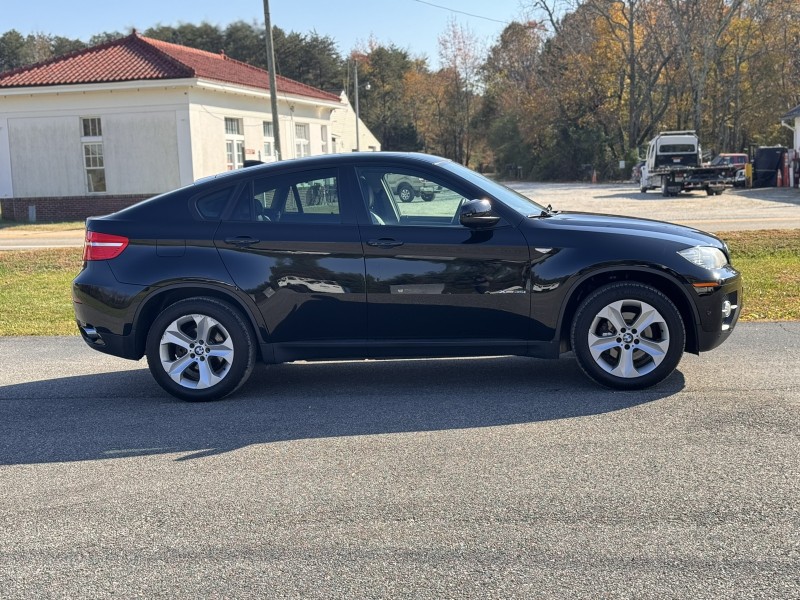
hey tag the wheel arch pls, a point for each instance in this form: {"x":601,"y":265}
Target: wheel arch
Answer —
{"x":163,"y":297}
{"x":664,"y":282}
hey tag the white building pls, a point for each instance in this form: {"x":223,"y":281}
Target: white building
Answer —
{"x":95,"y":130}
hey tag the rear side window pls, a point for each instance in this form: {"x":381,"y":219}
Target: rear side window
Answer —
{"x":306,"y":197}
{"x":212,"y":205}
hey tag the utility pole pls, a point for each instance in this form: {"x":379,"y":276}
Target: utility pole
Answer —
{"x":273,"y":85}
{"x":358,"y":112}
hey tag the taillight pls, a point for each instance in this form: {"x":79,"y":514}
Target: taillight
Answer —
{"x":103,"y":246}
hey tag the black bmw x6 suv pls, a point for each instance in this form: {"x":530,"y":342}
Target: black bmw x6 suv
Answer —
{"x":318,"y":258}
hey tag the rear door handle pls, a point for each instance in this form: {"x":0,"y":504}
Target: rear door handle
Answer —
{"x":242,"y":241}
{"x":384,"y":243}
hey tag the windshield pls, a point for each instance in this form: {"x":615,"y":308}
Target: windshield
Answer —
{"x":518,"y":202}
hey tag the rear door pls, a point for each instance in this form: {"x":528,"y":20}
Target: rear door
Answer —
{"x":292,"y":243}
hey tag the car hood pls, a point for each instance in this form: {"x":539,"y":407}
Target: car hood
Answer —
{"x":616,"y":225}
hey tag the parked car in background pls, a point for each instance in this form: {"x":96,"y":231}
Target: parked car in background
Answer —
{"x":734,"y":160}
{"x":734,"y":174}
{"x":245,"y":266}
{"x":407,"y":187}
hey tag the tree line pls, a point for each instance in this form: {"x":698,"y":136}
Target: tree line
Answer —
{"x":578,"y":89}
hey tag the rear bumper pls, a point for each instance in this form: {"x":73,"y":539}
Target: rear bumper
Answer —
{"x":104,"y":311}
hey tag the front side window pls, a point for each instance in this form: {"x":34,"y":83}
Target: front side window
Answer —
{"x":308,"y":197}
{"x":93,"y":161}
{"x":400,"y":197}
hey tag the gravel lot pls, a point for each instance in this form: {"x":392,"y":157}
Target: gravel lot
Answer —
{"x":767,"y":208}
{"x":734,"y":210}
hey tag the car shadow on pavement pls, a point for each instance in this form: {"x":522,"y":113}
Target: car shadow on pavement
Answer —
{"x":121,"y":414}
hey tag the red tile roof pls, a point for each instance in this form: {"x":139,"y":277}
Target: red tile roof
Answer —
{"x":137,"y":58}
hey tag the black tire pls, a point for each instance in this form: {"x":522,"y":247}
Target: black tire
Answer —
{"x":201,"y":372}
{"x":664,"y":188}
{"x":427,"y":196}
{"x":613,"y":351}
{"x":405,"y":192}
{"x":643,"y":189}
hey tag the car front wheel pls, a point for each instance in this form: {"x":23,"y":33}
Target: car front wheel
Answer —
{"x":628,"y":336}
{"x":405,"y":192}
{"x":200,"y":349}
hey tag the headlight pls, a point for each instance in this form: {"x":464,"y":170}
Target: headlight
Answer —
{"x":707,"y":257}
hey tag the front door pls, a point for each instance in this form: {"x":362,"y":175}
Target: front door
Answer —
{"x":432,"y":281}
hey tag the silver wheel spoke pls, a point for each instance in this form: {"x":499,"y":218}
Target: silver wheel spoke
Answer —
{"x":625,"y":368}
{"x":223,"y":350}
{"x":601,"y":344}
{"x":176,"y":368}
{"x":648,"y":317}
{"x":613,"y":313}
{"x":656,"y":350}
{"x":204,"y":326}
{"x":207,"y":376}
{"x":173,"y":335}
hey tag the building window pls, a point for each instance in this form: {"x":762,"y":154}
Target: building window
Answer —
{"x":233,"y":126}
{"x":301,"y":140}
{"x":234,"y":143}
{"x":324,"y":138}
{"x":92,"y":146}
{"x":269,"y":142}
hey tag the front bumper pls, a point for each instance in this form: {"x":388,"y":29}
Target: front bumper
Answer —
{"x":718,"y":310}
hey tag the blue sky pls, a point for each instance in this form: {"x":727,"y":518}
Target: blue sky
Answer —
{"x":410,"y":24}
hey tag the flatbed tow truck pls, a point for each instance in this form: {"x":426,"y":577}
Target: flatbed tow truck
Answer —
{"x":674,"y":164}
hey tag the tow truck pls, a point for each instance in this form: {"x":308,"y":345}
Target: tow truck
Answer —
{"x":674,"y":163}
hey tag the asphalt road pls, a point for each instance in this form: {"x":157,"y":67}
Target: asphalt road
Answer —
{"x":490,"y":478}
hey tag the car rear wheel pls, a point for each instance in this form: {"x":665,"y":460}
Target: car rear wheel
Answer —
{"x":628,"y":336}
{"x":200,"y":349}
{"x":405,"y":192}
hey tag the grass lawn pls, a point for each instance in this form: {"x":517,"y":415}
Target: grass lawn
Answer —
{"x":15,"y":227}
{"x":35,"y":296}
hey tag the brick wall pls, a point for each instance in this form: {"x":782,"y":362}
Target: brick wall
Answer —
{"x":72,"y":208}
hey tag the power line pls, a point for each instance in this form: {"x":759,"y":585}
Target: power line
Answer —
{"x":461,"y":12}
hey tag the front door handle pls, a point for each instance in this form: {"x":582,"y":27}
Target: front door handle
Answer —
{"x":384,"y":243}
{"x":242,"y":241}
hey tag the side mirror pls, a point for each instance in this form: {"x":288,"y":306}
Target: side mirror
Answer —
{"x":477,"y":214}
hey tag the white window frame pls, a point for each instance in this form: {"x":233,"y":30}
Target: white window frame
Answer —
{"x":323,"y":131}
{"x":302,"y":143}
{"x":93,"y":156}
{"x":269,"y":141}
{"x":234,"y":143}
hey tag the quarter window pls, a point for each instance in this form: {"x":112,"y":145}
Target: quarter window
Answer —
{"x":92,"y":147}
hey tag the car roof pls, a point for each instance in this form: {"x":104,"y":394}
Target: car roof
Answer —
{"x":329,"y":160}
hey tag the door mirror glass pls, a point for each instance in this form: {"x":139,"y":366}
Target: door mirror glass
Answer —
{"x":478,"y":214}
